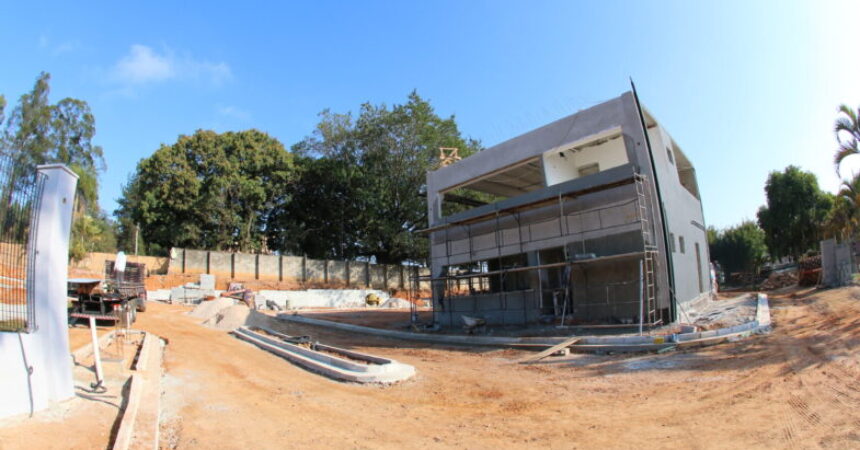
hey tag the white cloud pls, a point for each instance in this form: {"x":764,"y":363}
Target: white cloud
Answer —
{"x":48,"y":44}
{"x":143,"y":65}
{"x":67,"y":47}
{"x":233,"y":112}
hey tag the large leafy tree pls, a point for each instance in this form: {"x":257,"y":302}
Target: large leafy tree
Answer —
{"x":38,"y":132}
{"x":379,"y":161}
{"x":740,"y":248}
{"x":322,"y":218}
{"x":208,"y":190}
{"x":795,"y":212}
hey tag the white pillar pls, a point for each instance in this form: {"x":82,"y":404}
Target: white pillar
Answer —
{"x":46,"y":350}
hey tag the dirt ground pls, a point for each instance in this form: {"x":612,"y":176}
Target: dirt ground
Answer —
{"x":798,"y":387}
{"x":91,"y":418}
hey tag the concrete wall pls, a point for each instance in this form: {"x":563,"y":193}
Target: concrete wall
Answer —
{"x":512,"y":308}
{"x":46,"y":350}
{"x":558,"y":168}
{"x":244,"y":266}
{"x":685,"y":220}
{"x":837,"y":263}
{"x":94,"y":263}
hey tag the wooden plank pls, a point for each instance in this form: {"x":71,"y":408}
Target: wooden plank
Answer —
{"x":551,"y":350}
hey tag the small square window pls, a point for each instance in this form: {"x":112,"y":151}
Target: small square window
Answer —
{"x":669,"y":154}
{"x":681,"y":243}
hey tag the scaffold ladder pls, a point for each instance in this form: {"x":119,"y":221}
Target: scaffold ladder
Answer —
{"x":649,"y":283}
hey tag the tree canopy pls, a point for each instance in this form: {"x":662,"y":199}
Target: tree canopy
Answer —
{"x":740,"y":248}
{"x":38,"y":132}
{"x":375,"y":167}
{"x":353,"y":188}
{"x":796,"y":208}
{"x":209,"y":190}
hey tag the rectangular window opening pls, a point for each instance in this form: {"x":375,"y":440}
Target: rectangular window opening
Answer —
{"x":514,"y":181}
{"x":474,"y":283}
{"x":686,"y":172}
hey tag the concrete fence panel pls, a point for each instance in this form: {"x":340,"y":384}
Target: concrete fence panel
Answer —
{"x":246,"y":266}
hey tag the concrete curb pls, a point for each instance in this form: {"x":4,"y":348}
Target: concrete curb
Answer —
{"x":374,"y":369}
{"x":761,"y":324}
{"x":139,"y":426}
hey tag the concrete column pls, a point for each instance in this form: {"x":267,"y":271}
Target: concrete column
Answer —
{"x":304,"y":268}
{"x":325,"y":272}
{"x":46,"y":350}
{"x":346,"y":263}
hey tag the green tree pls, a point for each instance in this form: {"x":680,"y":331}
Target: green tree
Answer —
{"x":380,"y":160}
{"x":208,"y":190}
{"x":92,"y":234}
{"x":322,"y":220}
{"x":740,"y":248}
{"x":844,"y":219}
{"x":847,"y":130}
{"x":795,"y":212}
{"x":38,"y":132}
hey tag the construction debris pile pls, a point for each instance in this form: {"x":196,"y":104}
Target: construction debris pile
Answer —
{"x":778,"y":280}
{"x":809,"y":271}
{"x":225,"y":314}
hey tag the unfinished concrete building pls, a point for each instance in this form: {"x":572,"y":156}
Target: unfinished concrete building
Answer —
{"x":593,"y":220}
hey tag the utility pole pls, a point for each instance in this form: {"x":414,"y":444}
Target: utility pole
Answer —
{"x":136,"y":233}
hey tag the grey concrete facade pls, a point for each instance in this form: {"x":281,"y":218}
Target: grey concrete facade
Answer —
{"x":591,"y":217}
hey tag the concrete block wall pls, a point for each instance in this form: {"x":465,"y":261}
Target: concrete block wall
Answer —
{"x":316,"y":270}
{"x":220,"y":264}
{"x":269,"y":266}
{"x":94,"y":262}
{"x":510,"y":308}
{"x":246,"y":266}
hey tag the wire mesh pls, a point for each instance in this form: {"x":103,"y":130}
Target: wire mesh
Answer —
{"x":20,"y":197}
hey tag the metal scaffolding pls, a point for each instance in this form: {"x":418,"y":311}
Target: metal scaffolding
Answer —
{"x":479,"y":272}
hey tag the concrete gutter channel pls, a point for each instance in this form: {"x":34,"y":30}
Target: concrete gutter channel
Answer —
{"x":368,"y":369}
{"x":615,"y":344}
{"x":139,"y":426}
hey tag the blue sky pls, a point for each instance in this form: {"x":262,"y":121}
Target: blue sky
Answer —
{"x":744,"y":87}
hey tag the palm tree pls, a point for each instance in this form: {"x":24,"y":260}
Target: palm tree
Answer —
{"x":847,"y":129}
{"x":843,"y":219}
